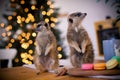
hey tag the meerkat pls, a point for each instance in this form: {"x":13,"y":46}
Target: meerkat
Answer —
{"x":45,"y":57}
{"x":81,"y":48}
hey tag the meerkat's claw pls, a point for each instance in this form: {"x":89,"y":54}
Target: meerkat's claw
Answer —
{"x":38,"y":73}
{"x":81,"y":54}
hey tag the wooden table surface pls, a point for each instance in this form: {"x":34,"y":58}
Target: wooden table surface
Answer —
{"x":24,"y":73}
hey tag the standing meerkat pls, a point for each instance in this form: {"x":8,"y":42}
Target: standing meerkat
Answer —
{"x":45,"y":57}
{"x":81,"y":49}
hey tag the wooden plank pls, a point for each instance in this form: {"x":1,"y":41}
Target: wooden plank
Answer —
{"x":23,"y":73}
{"x":79,"y":72}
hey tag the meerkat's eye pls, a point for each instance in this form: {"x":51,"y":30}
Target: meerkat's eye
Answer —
{"x":71,"y":20}
{"x":38,"y":25}
{"x":46,"y":24}
{"x":78,"y":14}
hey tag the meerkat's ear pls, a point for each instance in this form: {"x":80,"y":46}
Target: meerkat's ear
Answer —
{"x":70,"y":20}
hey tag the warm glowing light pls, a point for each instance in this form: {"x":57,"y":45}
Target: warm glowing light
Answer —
{"x":12,"y":40}
{"x":33,"y":19}
{"x":25,"y":61}
{"x":14,"y":13}
{"x":51,"y":10}
{"x":8,"y":33}
{"x":23,"y":34}
{"x":3,"y":34}
{"x":48,"y":13}
{"x":59,"y":48}
{"x":30,"y":62}
{"x":52,"y":18}
{"x":25,"y":45}
{"x":9,"y":17}
{"x":46,"y":20}
{"x":43,"y":12}
{"x":30,"y":18}
{"x":35,"y":43}
{"x":29,"y":14}
{"x":55,"y":19}
{"x":22,"y":2}
{"x":30,"y":41}
{"x":9,"y":27}
{"x":19,"y":37}
{"x":2,"y":24}
{"x":33,"y":7}
{"x":23,"y":19}
{"x":18,"y":21}
{"x":51,"y":6}
{"x":28,"y":34}
{"x":10,"y":45}
{"x":22,"y":40}
{"x":52,"y":25}
{"x":30,"y":57}
{"x":18,"y":17}
{"x":59,"y":56}
{"x":34,"y":34}
{"x":42,"y":7}
{"x":48,"y":2}
{"x":34,"y":25}
{"x":16,"y":60}
{"x":27,"y":20}
{"x":12,"y":0}
{"x":23,"y":55}
{"x":30,"y":51}
{"x":26,"y":9}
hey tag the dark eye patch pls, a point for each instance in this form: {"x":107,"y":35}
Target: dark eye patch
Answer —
{"x":78,"y":14}
{"x":39,"y":25}
{"x":71,"y":20}
{"x":46,"y":24}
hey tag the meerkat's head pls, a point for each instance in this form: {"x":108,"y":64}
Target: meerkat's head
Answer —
{"x":76,"y":18}
{"x":42,"y":26}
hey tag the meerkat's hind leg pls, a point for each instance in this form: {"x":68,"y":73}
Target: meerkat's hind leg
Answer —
{"x":39,"y":67}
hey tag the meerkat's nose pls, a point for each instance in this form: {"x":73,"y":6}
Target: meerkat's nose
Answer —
{"x":85,"y":13}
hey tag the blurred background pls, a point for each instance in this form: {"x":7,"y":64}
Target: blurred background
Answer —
{"x":18,"y":20}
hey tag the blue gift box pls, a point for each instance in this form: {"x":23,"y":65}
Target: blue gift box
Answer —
{"x":108,"y":49}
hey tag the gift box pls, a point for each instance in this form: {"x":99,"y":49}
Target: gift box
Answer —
{"x":108,"y":49}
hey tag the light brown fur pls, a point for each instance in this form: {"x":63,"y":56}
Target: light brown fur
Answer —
{"x":45,"y":57}
{"x":81,"y":49}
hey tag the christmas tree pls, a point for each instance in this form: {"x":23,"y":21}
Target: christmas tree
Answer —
{"x":20,"y":32}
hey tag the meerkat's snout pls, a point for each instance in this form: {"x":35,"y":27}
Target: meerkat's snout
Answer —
{"x":85,"y":13}
{"x":76,"y":16}
{"x":42,"y":26}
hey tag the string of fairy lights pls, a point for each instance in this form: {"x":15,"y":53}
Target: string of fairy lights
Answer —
{"x":23,"y":37}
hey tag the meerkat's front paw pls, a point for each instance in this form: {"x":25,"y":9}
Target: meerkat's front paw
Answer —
{"x":83,"y":51}
{"x":81,"y":54}
{"x":37,"y":72}
{"x":79,"y":50}
{"x":62,"y":71}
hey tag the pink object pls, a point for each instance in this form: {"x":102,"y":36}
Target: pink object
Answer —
{"x":87,"y":66}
